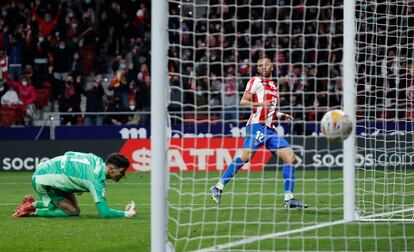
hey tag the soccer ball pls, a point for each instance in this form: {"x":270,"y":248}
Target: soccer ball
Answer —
{"x":336,"y":124}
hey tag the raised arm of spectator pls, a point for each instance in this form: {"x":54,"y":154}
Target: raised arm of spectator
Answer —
{"x":38,"y":19}
{"x":54,"y":21}
{"x":13,"y":84}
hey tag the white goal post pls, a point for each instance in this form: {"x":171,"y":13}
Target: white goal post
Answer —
{"x":159,"y":172}
{"x":349,"y":107}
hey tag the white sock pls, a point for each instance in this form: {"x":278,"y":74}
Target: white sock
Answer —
{"x":219,"y":185}
{"x":288,"y":196}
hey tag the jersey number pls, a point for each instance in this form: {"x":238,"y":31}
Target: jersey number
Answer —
{"x":259,"y":136}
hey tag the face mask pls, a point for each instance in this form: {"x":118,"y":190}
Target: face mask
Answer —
{"x":122,"y":66}
{"x":4,"y":13}
{"x":47,"y":20}
{"x":62,"y":46}
{"x":41,"y":39}
{"x":69,"y":82}
{"x":74,"y":25}
{"x":24,"y":83}
{"x":131,"y":107}
{"x":199,"y":93}
{"x":76,"y":56}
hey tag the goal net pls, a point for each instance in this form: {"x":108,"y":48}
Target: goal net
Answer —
{"x":213,"y":48}
{"x":385,"y":92}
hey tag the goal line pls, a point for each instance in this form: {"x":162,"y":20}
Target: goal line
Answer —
{"x":271,"y":236}
{"x":373,"y":217}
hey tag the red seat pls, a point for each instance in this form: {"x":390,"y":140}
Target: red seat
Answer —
{"x":42,"y":98}
{"x":12,"y":114}
{"x":6,"y":117}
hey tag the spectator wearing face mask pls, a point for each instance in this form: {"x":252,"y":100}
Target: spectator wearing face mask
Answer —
{"x":77,"y":64}
{"x":40,"y":58}
{"x":119,"y":83}
{"x":94,"y":101}
{"x":25,"y":90}
{"x":47,"y":24}
{"x":61,"y":61}
{"x":31,"y":78}
{"x":68,"y":99}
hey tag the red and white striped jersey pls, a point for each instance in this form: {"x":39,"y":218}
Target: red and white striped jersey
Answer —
{"x":261,"y":91}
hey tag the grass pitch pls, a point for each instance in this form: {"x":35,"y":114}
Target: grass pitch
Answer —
{"x":87,"y":232}
{"x":251,"y":206}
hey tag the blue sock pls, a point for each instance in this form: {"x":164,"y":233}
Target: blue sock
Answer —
{"x":289,"y":176}
{"x":234,"y":166}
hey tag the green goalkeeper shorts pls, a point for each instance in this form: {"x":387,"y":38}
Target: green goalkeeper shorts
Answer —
{"x":49,"y":196}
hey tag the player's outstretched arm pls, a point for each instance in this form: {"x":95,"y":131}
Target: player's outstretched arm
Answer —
{"x":283,"y":116}
{"x":106,"y":212}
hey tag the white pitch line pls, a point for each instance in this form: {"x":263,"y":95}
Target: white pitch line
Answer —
{"x":200,"y":205}
{"x":373,"y":216}
{"x":175,"y":183}
{"x":270,"y":236}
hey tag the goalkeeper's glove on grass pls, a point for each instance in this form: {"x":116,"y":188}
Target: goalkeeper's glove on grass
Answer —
{"x":131,"y":211}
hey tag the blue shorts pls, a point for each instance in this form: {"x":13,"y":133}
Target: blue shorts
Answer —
{"x":258,"y":134}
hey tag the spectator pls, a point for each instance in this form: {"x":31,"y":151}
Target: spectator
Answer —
{"x":68,"y":100}
{"x":201,"y":99}
{"x":47,"y":24}
{"x":14,"y":46}
{"x":176,"y":100}
{"x":77,"y":67}
{"x":27,"y":95}
{"x":94,"y":101}
{"x":24,"y":89}
{"x":28,"y":72}
{"x":40,"y":59}
{"x":119,"y":83}
{"x":114,"y":117}
{"x":144,"y":100}
{"x":3,"y":65}
{"x":61,"y":61}
{"x":230,"y":99}
{"x":3,"y":88}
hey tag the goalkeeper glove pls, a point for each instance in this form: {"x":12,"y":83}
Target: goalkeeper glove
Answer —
{"x":130,"y":210}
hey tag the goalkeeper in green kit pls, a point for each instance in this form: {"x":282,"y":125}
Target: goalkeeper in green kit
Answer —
{"x":58,"y":179}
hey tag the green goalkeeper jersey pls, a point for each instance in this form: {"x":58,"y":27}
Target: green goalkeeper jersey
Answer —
{"x":77,"y":172}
